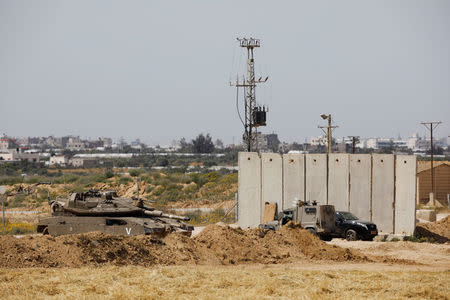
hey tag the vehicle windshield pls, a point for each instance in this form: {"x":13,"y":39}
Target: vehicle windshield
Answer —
{"x":348,"y":216}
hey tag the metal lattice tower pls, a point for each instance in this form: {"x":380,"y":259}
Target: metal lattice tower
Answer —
{"x":253,"y":112}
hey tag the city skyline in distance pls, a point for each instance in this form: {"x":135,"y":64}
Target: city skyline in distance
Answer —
{"x":127,"y":71}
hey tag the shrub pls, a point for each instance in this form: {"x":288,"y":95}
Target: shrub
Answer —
{"x":135,"y":172}
{"x":125,"y":180}
{"x":199,"y":179}
{"x":10,"y":180}
{"x":158,"y":191}
{"x":146,"y":178}
{"x":42,"y":194}
{"x":17,"y":228}
{"x":109,"y":174}
{"x":17,"y":200}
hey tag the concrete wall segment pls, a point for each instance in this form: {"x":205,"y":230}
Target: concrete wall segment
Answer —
{"x":249,"y":189}
{"x":316,"y":178}
{"x":338,"y":181}
{"x":360,"y":185}
{"x":383,"y":192}
{"x":271,"y":180}
{"x":405,"y":194}
{"x":293,"y":179}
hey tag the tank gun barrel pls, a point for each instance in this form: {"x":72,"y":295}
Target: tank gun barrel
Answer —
{"x":158,"y":213}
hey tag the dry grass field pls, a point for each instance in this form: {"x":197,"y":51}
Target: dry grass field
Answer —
{"x":224,"y":282}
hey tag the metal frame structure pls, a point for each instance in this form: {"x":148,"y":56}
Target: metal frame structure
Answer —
{"x":249,"y":84}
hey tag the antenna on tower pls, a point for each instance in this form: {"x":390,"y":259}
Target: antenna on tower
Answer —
{"x":255,"y":115}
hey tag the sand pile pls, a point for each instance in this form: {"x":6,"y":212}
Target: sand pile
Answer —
{"x":214,"y":245}
{"x":438,"y":231}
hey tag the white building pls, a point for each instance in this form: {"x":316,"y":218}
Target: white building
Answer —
{"x":319,"y":141}
{"x":17,"y":154}
{"x":59,"y":160}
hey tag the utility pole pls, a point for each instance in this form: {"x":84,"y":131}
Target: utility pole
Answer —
{"x":354,"y":140}
{"x":255,"y":116}
{"x":431,"y":126}
{"x":329,"y":128}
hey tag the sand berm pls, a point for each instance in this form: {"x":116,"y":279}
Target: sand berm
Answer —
{"x":215,"y":245}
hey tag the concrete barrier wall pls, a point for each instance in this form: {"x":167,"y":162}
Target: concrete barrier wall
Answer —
{"x":383,"y":192}
{"x":316,"y":178}
{"x":293,"y":178}
{"x":381,"y":187}
{"x":271,"y":180}
{"x":338,"y":188}
{"x":405,"y":192}
{"x":360,"y":181}
{"x":249,"y":189}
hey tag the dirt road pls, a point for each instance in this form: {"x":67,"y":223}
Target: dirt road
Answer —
{"x":426,"y":255}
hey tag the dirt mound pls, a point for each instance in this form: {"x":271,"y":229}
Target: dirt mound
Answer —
{"x":214,"y":245}
{"x":289,"y":244}
{"x":437,"y":231}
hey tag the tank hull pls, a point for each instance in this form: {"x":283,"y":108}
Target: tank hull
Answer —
{"x":128,"y":226}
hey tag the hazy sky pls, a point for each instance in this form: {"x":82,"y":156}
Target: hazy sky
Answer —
{"x":160,"y":70}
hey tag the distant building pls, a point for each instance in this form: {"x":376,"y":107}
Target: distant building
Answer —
{"x":79,"y":162}
{"x":268,"y":142}
{"x":7,"y":143}
{"x":59,"y":160}
{"x":318,"y":141}
{"x":75,"y":143}
{"x":18,"y":154}
{"x":6,"y":156}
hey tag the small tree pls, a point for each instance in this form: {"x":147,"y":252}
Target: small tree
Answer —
{"x":219,"y":144}
{"x":203,"y":144}
{"x":185,"y":146}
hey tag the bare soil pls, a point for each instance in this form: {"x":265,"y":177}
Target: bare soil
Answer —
{"x":426,"y":255}
{"x":437,"y":231}
{"x":215,"y":245}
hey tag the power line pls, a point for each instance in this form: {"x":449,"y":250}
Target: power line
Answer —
{"x":255,"y":115}
{"x":329,"y":128}
{"x":430,"y":126}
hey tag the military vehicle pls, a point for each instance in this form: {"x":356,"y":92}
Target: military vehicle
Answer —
{"x":318,"y":219}
{"x":104,"y":211}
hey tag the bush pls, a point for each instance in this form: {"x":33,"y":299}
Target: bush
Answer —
{"x":199,"y":179}
{"x":146,"y":178}
{"x":135,"y":172}
{"x":42,"y":194}
{"x":125,"y":180}
{"x":17,"y":200}
{"x":17,"y":228}
{"x":10,"y":180}
{"x":158,"y":191}
{"x":109,"y":174}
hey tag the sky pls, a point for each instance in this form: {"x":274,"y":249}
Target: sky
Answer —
{"x":160,"y":70}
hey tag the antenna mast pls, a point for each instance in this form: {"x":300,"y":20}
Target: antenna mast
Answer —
{"x":255,"y":115}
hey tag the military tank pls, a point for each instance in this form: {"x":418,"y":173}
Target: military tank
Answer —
{"x":104,"y":211}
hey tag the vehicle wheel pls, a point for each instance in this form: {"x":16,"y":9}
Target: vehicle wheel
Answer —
{"x":313,"y":231}
{"x":351,"y":235}
{"x":45,"y":231}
